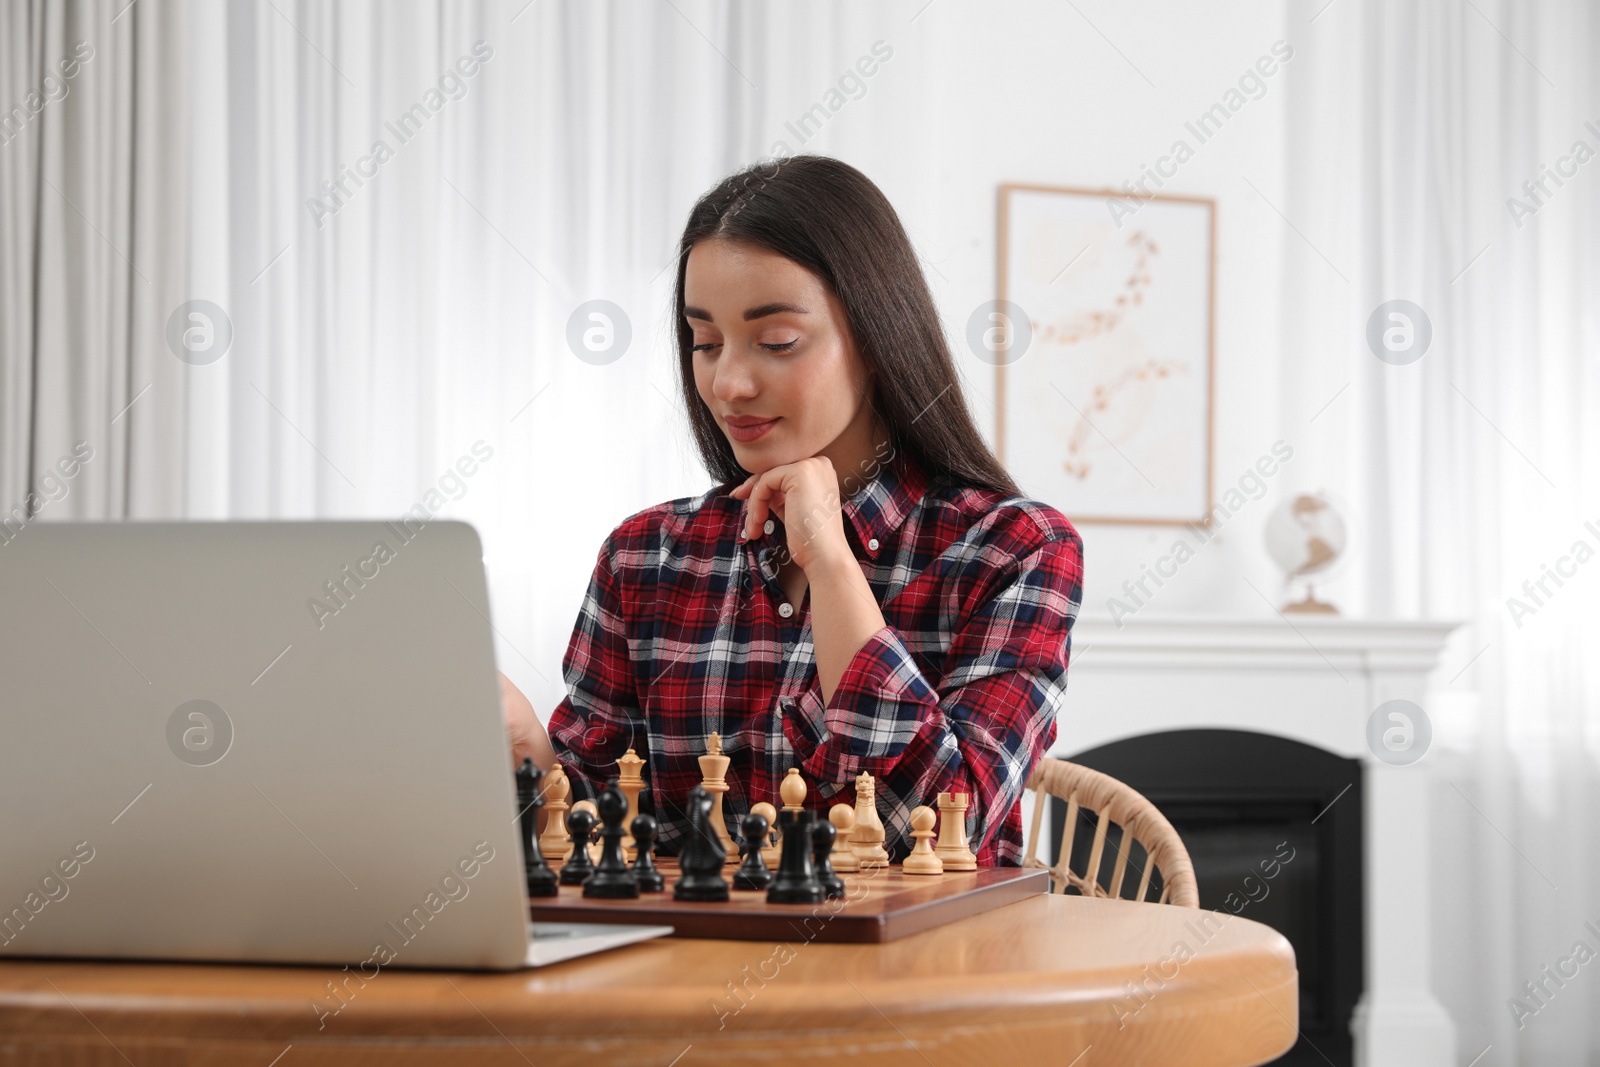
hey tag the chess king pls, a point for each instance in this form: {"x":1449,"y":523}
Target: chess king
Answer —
{"x":861,"y":564}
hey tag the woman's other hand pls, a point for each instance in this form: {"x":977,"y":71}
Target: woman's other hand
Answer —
{"x":523,"y":728}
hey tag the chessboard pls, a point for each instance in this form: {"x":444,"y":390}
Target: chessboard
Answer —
{"x":880,"y":904}
{"x":594,"y":862}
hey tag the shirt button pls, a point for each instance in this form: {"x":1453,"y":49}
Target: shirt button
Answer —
{"x":873,"y":544}
{"x":769,"y":526}
{"x":786,"y":609}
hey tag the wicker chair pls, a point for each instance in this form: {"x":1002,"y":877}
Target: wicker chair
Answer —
{"x":1087,"y":790}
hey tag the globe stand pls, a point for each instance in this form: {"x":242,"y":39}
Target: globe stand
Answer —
{"x":1310,"y":605}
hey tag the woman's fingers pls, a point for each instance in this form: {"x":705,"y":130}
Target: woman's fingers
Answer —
{"x":766,"y":495}
{"x":523,"y":728}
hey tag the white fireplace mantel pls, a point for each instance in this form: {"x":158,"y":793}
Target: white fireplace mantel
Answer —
{"x":1315,"y":679}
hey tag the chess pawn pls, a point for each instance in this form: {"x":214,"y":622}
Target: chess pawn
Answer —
{"x":753,"y":873}
{"x":643,"y":830}
{"x":553,"y":843}
{"x":952,"y":848}
{"x":823,"y":835}
{"x":541,"y":879}
{"x":843,"y":819}
{"x":631,"y":781}
{"x":866,"y":840}
{"x":594,"y":820}
{"x":769,"y":848}
{"x":579,"y":867}
{"x":922,"y":860}
{"x":796,"y":881}
{"x":612,"y":879}
{"x":793,"y":791}
{"x":714,"y":771}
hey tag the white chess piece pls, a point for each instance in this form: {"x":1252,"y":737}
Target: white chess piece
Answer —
{"x":952,"y":848}
{"x":922,"y":860}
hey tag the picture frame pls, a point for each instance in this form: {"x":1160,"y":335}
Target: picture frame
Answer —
{"x":1103,"y":339}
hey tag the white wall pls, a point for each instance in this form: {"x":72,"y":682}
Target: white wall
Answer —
{"x":976,"y":95}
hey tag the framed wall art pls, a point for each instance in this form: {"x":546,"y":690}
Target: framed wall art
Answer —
{"x":1102,"y":340}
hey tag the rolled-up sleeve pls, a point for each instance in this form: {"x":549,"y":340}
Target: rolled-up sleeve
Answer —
{"x":988,"y":717}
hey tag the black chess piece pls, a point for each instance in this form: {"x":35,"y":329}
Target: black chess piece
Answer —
{"x":823,"y":835}
{"x":578,"y":868}
{"x":796,"y":882}
{"x":753,"y":873}
{"x":612,"y":878}
{"x":701,"y":858}
{"x":530,"y":798}
{"x":643,"y":829}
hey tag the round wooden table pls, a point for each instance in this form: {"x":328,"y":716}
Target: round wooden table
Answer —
{"x":1055,"y":979}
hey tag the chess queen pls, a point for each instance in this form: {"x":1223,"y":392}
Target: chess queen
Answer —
{"x":864,"y":589}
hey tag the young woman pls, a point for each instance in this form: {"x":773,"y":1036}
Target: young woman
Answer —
{"x":865,"y":590}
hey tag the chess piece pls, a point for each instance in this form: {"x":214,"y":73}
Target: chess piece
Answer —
{"x":612,"y":879}
{"x":530,"y":799}
{"x":952,"y":848}
{"x":796,"y":881}
{"x":553,"y":842}
{"x":823,"y":835}
{"x":793,"y":790}
{"x":578,"y":868}
{"x":701,"y":858}
{"x":643,"y":829}
{"x":843,"y":818}
{"x":714,"y":771}
{"x":631,"y":781}
{"x":753,"y":873}
{"x":594,"y":820}
{"x":922,"y":860}
{"x":866,"y":840}
{"x":769,"y":847}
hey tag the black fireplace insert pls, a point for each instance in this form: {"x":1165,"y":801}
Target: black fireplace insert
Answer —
{"x":1274,"y":829}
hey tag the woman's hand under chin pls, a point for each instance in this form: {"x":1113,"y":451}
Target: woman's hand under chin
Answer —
{"x":805,"y":497}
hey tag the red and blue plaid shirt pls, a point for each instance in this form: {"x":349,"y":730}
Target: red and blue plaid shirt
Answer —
{"x":681,"y":636}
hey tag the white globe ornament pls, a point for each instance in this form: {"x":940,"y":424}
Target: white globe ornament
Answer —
{"x":1305,"y":537}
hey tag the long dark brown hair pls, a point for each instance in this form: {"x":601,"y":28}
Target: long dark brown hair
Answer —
{"x":831,"y":219}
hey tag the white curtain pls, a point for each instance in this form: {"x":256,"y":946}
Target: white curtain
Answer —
{"x":1470,"y":470}
{"x":91,"y":239}
{"x":387,"y":310}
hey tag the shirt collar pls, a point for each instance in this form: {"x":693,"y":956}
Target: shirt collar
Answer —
{"x":878,"y":509}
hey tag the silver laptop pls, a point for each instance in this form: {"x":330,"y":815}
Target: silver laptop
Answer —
{"x":259,"y":741}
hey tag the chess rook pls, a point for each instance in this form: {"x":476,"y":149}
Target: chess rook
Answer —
{"x":952,"y":848}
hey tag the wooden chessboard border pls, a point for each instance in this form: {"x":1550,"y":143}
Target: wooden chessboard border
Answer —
{"x":882,"y":904}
